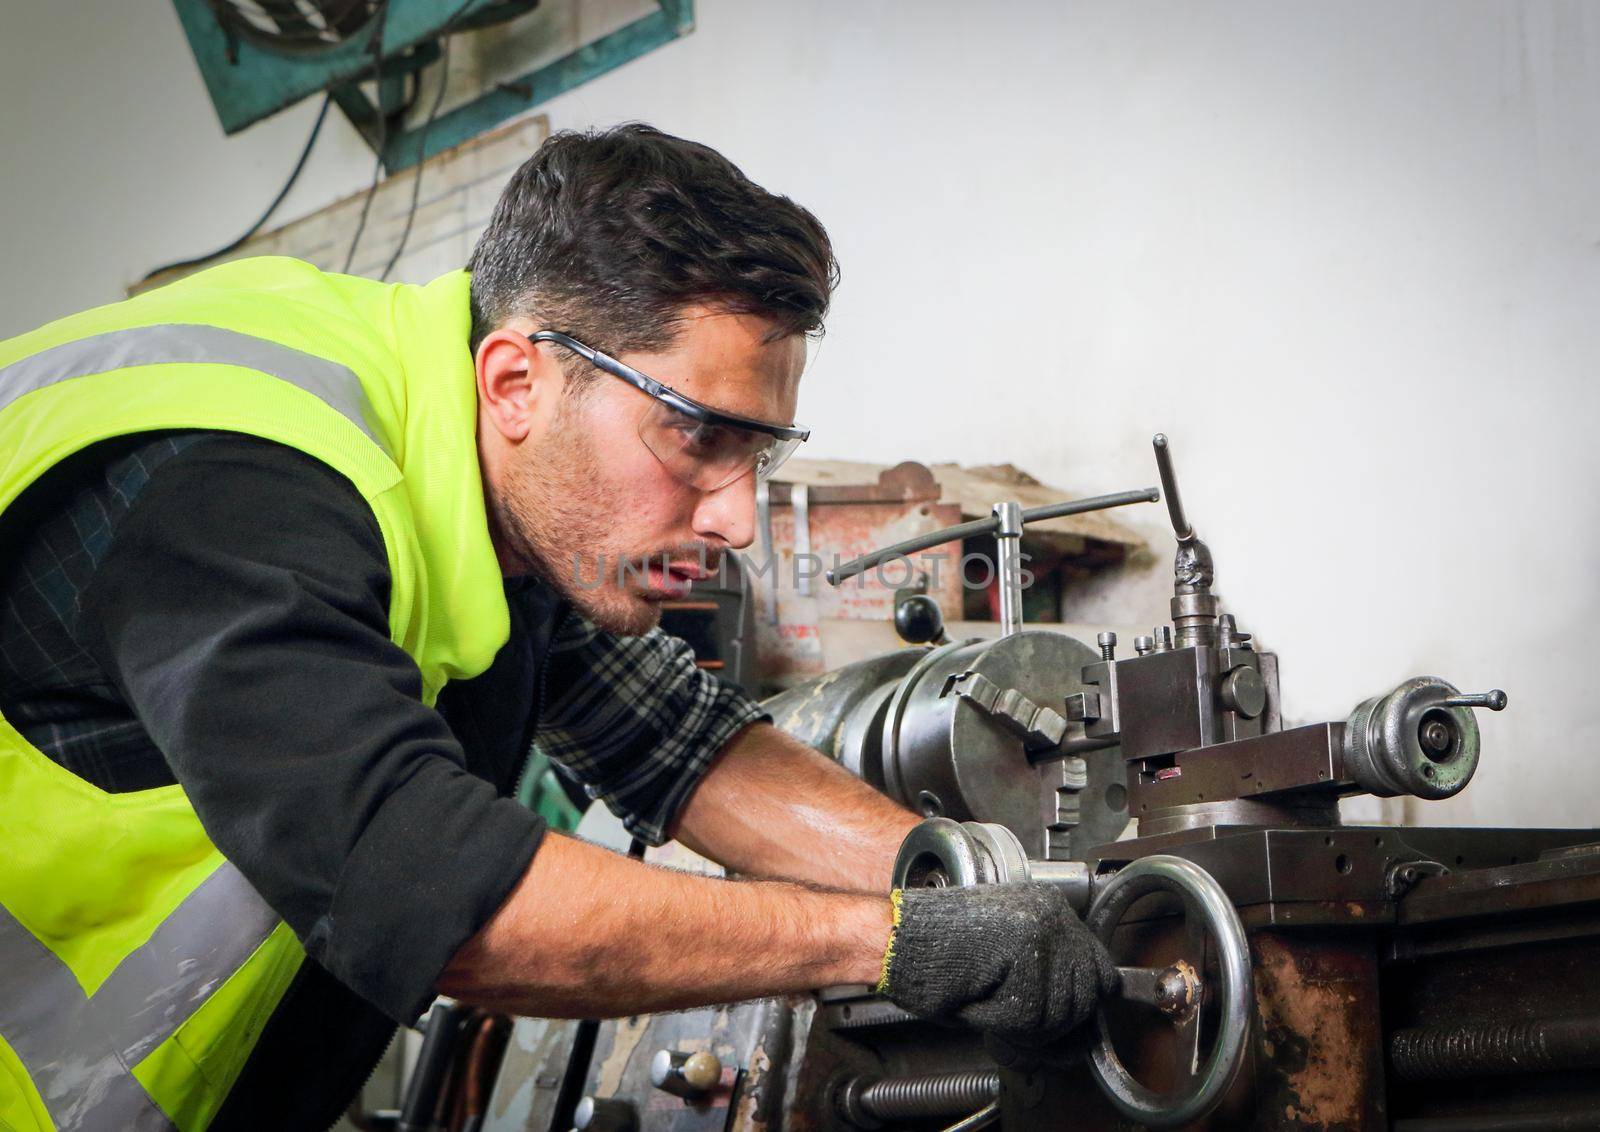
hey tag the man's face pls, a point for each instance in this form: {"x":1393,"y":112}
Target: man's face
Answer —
{"x":579,"y":499}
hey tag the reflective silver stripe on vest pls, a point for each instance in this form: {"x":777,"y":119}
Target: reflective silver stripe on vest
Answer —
{"x":330,"y":382}
{"x":78,"y":1049}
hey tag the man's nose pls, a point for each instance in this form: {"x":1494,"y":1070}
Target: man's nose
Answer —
{"x":729,"y":513}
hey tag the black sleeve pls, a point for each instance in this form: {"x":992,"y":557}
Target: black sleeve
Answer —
{"x":242,"y":611}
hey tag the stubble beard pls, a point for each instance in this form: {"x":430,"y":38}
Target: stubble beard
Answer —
{"x":553,"y":512}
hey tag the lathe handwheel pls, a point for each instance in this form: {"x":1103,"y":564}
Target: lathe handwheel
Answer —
{"x":1205,"y":902}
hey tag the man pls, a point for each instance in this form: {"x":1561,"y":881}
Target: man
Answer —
{"x":294,"y":568}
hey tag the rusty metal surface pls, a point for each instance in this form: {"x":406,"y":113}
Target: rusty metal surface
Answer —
{"x":524,"y":1097}
{"x":1319,"y":1045}
{"x":754,"y":1041}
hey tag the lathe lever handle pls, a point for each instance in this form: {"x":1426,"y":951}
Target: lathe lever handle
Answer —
{"x":910,"y":546}
{"x":1494,"y":699}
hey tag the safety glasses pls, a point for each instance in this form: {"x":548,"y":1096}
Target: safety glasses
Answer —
{"x":701,"y":446}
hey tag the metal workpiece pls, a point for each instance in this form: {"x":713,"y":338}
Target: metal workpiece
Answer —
{"x":1215,"y":929}
{"x":872,"y":1102}
{"x":987,"y":526}
{"x":975,"y":732}
{"x":1412,"y":741}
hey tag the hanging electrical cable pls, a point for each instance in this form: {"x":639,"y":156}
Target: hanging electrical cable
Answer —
{"x":294,"y":176}
{"x":422,"y":150}
{"x":375,"y":45}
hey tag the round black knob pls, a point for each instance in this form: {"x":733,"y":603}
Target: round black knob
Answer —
{"x":917,"y":619}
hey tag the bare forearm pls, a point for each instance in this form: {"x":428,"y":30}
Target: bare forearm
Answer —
{"x":590,"y":933}
{"x":772,"y":807}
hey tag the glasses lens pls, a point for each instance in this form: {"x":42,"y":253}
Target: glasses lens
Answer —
{"x":780,"y":451}
{"x":709,"y":456}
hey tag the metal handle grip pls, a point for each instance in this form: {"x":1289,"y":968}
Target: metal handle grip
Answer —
{"x":844,"y":573}
{"x":1203,"y":899}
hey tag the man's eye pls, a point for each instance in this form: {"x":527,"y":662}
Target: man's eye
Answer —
{"x":702,"y":437}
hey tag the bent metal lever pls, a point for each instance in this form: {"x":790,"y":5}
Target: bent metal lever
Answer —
{"x":848,"y":570}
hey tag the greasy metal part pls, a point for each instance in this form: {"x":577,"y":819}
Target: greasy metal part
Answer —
{"x":1494,"y":699}
{"x":441,"y":1035}
{"x":868,"y":1102}
{"x":1169,"y":488}
{"x":848,"y":570}
{"x":1280,"y":810}
{"x":1514,"y":877}
{"x":940,"y":853}
{"x":1071,"y":876}
{"x":1242,"y":691}
{"x":686,"y":1075}
{"x":1174,"y":990}
{"x":1404,"y":875}
{"x":605,"y":1114}
{"x":984,"y":1117}
{"x":1008,"y":552}
{"x":1447,"y":1052}
{"x":834,"y":713}
{"x":1302,"y":759}
{"x":1205,"y":904}
{"x":1567,"y":1120}
{"x":1194,"y":607}
{"x":943,"y":754}
{"x":1411,"y":742}
{"x":1040,"y":728}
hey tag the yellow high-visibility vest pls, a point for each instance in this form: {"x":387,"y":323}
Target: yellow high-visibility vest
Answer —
{"x":137,"y":965}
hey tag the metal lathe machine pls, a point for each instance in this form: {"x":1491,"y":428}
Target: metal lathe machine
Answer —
{"x":1281,"y":970}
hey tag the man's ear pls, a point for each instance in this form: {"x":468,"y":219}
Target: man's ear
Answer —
{"x":519,"y":385}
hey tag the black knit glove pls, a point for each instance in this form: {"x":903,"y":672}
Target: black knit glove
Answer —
{"x":1012,"y":959}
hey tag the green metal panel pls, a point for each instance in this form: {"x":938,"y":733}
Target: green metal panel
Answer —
{"x":674,"y":18}
{"x":248,"y":82}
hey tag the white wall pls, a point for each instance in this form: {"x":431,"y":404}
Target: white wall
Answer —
{"x":1348,"y":256}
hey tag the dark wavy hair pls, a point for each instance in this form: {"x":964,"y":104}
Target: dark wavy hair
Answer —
{"x":608,"y":235}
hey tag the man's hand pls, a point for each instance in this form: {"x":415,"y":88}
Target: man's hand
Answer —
{"x":1012,"y":959}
